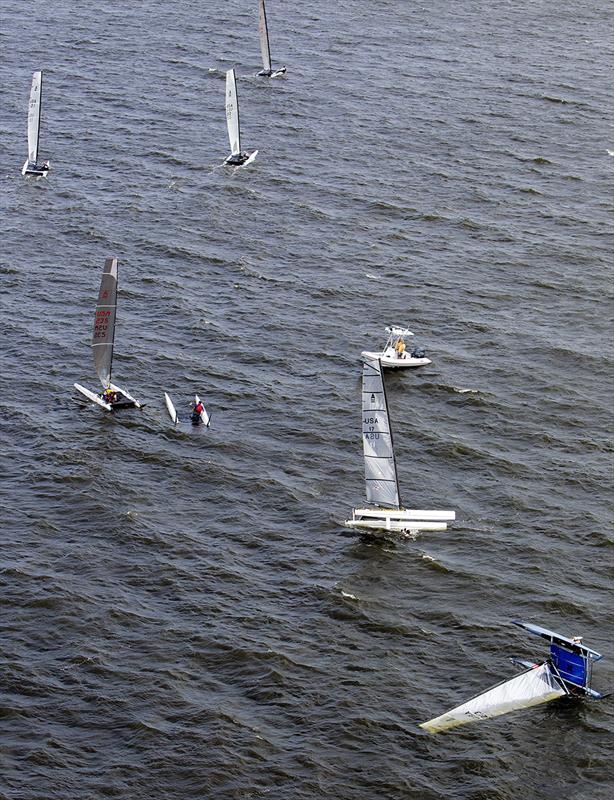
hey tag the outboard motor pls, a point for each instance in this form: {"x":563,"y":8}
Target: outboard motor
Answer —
{"x":418,"y":352}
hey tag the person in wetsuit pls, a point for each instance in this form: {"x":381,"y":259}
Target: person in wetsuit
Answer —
{"x":196,"y":412}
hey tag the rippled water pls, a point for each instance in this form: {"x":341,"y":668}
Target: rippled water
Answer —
{"x":184,"y":614}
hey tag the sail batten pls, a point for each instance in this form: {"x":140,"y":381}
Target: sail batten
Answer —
{"x":264,"y":37}
{"x":104,"y":322}
{"x":381,"y":481}
{"x":34,"y":115}
{"x":232,"y":113}
{"x":530,"y":688}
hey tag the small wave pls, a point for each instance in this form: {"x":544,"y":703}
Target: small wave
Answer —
{"x":348,"y":595}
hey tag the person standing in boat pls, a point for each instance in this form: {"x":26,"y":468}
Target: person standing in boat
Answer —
{"x":400,"y":347}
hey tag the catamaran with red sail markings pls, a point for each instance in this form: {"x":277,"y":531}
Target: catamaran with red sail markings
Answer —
{"x":112,"y":397}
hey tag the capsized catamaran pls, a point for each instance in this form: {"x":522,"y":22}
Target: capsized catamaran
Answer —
{"x":198,"y":416}
{"x":567,"y":671}
{"x":265,"y":49}
{"x":381,"y":480}
{"x":237,"y":157}
{"x":112,"y":396}
{"x":31,"y":165}
{"x":394,"y":354}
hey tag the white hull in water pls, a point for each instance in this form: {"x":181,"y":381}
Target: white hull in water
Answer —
{"x":386,"y":512}
{"x":203,"y":417}
{"x":124,"y":399}
{"x":399,"y":520}
{"x":236,"y":160}
{"x":392,"y":360}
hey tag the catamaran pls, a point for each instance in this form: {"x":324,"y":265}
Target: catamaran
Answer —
{"x":112,"y":396}
{"x":201,"y":417}
{"x":394,"y":354}
{"x":31,"y":165}
{"x":386,"y":511}
{"x":567,"y":672}
{"x":237,"y":157}
{"x":265,"y":49}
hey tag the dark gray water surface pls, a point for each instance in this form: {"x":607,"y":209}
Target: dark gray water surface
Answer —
{"x":183,"y":614}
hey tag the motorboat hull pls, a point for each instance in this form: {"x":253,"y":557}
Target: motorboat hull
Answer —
{"x":391,"y":360}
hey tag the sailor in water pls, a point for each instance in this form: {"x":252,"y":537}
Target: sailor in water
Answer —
{"x":196,"y":412}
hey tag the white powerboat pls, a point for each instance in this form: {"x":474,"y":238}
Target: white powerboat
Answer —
{"x":394,"y":355}
{"x":386,"y":512}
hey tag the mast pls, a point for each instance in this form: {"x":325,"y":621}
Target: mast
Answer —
{"x":40,"y":113}
{"x":104,"y":322}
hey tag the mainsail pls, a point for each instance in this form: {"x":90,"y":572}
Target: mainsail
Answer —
{"x":232,"y":113}
{"x":380,"y":467}
{"x":264,"y":38}
{"x":104,"y":322}
{"x":34,"y":115}
{"x":530,"y":688}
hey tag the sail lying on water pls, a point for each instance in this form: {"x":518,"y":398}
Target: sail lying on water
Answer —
{"x":263,"y":32}
{"x":380,"y":466}
{"x":530,"y":688}
{"x":104,"y":322}
{"x":34,"y":115}
{"x":232,"y":113}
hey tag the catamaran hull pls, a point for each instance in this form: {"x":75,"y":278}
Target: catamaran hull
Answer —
{"x":205,"y":419}
{"x":391,"y":360}
{"x":171,"y":408}
{"x":252,"y":156}
{"x":126,"y":400}
{"x":34,"y":172}
{"x":400,"y":520}
{"x":275,"y":73}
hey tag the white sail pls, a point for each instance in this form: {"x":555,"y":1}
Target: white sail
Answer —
{"x":264,"y":38}
{"x":380,"y":467}
{"x":232,"y":113}
{"x":34,"y":115}
{"x":530,"y":688}
{"x":104,"y":322}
